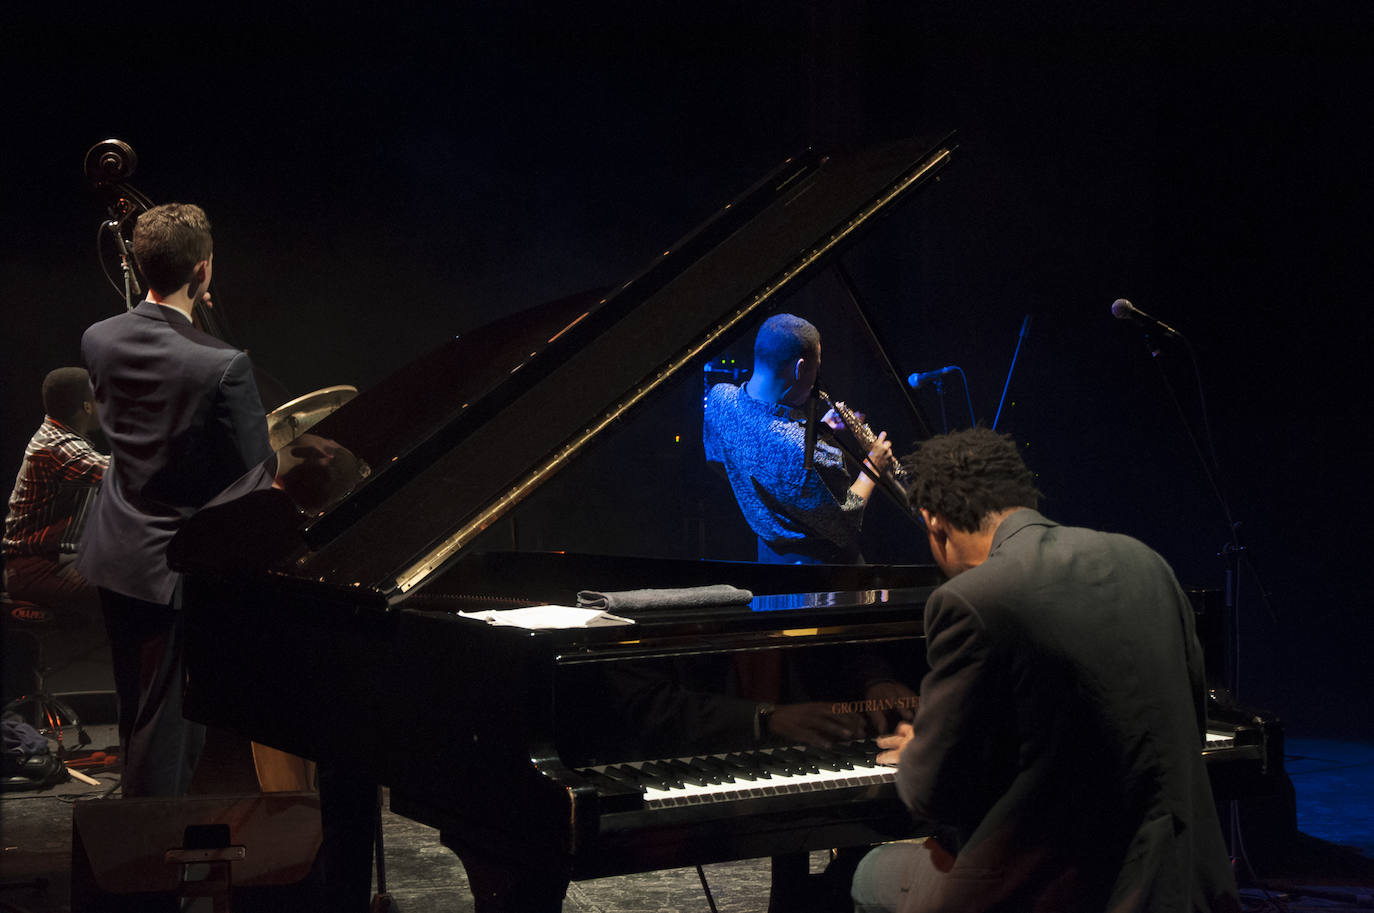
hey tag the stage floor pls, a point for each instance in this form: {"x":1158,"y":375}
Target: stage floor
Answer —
{"x":1329,"y":868}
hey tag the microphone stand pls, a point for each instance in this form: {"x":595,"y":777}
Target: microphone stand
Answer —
{"x":944,"y":414}
{"x":1232,"y":552}
{"x":126,"y":256}
{"x":968,"y":398}
{"x":812,"y":420}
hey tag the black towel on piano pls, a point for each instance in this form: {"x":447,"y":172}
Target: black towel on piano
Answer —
{"x":714,"y":595}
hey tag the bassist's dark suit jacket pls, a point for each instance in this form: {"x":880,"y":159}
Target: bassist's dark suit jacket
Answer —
{"x":183,"y":418}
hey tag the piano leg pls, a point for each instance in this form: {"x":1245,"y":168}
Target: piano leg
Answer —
{"x":788,"y":890}
{"x":502,"y":884}
{"x":349,"y":815}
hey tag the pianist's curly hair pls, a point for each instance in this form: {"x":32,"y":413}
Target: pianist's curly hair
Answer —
{"x":967,"y":475}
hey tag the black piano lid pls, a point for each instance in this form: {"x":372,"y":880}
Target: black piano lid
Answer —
{"x":452,"y":442}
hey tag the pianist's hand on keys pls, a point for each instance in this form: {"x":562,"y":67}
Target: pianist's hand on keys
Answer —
{"x":893,"y":744}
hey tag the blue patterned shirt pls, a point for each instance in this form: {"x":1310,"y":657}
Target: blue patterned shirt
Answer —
{"x":760,"y":446}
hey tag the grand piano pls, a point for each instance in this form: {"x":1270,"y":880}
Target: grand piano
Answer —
{"x":325,"y":612}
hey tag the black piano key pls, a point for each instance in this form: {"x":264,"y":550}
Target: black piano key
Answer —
{"x":615,"y":794}
{"x":850,"y":751}
{"x":862,"y":753}
{"x":619,"y":778}
{"x":826,"y":760}
{"x":780,"y":764}
{"x":666,"y":777}
{"x":797,"y":760}
{"x":634,"y":775}
{"x":714,"y":772}
{"x":732,"y":768}
{"x":686,"y":773}
{"x":752,"y":761}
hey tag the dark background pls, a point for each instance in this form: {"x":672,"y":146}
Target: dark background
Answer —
{"x":380,"y":179}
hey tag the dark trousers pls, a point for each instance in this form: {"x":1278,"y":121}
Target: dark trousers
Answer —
{"x":158,"y":745}
{"x":51,"y":581}
{"x":348,"y":819}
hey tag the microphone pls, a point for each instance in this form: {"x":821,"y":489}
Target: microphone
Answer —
{"x":921,"y":378}
{"x":1124,"y":310}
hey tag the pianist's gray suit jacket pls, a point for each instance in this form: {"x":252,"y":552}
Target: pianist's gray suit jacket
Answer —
{"x":181,"y":412}
{"x":1058,"y":740}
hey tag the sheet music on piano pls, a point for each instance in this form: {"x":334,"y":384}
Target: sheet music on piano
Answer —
{"x":548,"y":617}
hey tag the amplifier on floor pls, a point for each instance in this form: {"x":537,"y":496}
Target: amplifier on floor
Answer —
{"x":129,"y":854}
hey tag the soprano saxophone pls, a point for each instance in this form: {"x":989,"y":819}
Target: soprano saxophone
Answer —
{"x":864,"y":435}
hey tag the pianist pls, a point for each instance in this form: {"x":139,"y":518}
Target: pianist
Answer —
{"x":1057,"y":749}
{"x":755,"y":434}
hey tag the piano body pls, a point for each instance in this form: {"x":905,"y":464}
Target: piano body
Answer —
{"x":323,"y":613}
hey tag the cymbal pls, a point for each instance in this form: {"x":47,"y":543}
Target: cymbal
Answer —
{"x":292,"y":419}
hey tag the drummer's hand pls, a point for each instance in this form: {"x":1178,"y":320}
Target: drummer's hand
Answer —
{"x":206,"y":298}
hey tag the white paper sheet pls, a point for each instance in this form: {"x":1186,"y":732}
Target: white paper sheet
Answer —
{"x":543,"y":617}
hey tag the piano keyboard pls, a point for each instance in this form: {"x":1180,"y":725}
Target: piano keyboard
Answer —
{"x":744,"y":775}
{"x":707,"y":779}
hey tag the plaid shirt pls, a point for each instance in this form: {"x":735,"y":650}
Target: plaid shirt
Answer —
{"x":56,"y":485}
